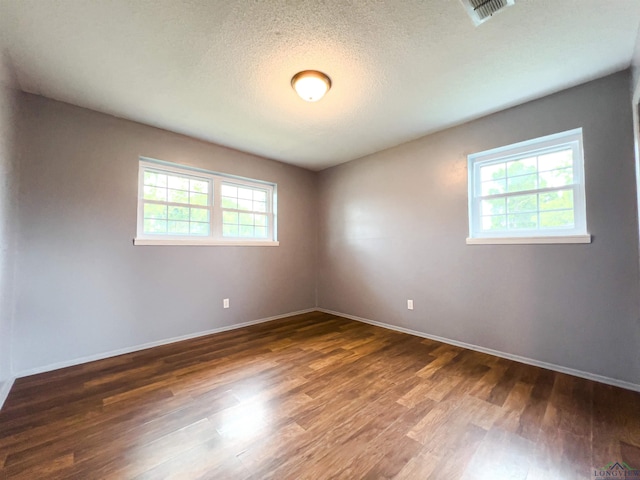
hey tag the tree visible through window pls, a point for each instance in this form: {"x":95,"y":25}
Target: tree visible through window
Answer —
{"x":531,"y":189}
{"x":177,"y":205}
{"x":244,"y":211}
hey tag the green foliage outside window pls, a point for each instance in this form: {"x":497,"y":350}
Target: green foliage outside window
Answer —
{"x":531,"y":210}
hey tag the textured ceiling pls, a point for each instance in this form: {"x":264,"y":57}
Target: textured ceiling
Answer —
{"x":221,"y":70}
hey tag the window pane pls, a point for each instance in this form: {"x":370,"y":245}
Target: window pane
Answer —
{"x":495,"y":222}
{"x":494,"y":206}
{"x":561,"y":199}
{"x":155,"y":226}
{"x":199,"y":228}
{"x":556,"y":178}
{"x":198,"y":198}
{"x":522,"y":166}
{"x":155,"y":211}
{"x":230,"y":217}
{"x":524,"y":182}
{"x":492,"y":172}
{"x":555,"y":160}
{"x":493,"y":187}
{"x":201,"y":186}
{"x":230,"y":230}
{"x":178,"y":196}
{"x":229,"y":190}
{"x":246,"y":231}
{"x":178,"y":213}
{"x":178,"y":183}
{"x":557,"y":219}
{"x":522,"y":203}
{"x":523,"y":221}
{"x":177,"y":228}
{"x":180,"y":204}
{"x":199,"y":215}
{"x":153,"y":193}
{"x":529,"y":189}
{"x":228,"y":202}
{"x":245,"y":205}
{"x":246,"y":219}
{"x":245,"y":193}
{"x":155,"y":179}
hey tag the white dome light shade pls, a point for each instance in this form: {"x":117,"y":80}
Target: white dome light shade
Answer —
{"x":311,"y":85}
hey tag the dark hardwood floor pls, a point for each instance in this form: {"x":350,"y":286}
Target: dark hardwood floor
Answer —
{"x":314,"y":396}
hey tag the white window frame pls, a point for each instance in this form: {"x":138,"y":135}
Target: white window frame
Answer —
{"x":537,"y":146}
{"x":215,"y":180}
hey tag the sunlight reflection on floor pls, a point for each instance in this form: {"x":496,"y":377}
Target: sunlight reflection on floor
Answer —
{"x":244,"y":420}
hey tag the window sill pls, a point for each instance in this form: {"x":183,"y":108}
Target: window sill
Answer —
{"x":529,"y":240}
{"x":205,"y":242}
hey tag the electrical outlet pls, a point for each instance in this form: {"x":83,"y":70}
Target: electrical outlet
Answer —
{"x":225,"y":303}
{"x":410,"y":304}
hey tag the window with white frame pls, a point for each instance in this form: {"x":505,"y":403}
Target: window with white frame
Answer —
{"x":185,"y":206}
{"x":529,"y":192}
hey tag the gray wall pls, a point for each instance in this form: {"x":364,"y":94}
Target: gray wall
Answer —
{"x":83,"y":288}
{"x":635,"y":64}
{"x":8,"y":215}
{"x":635,"y":102}
{"x":393,"y":227}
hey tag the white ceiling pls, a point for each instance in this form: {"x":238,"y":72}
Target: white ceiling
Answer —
{"x":221,"y":70}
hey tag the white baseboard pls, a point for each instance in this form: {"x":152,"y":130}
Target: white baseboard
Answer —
{"x":144,"y":346}
{"x":517,"y":358}
{"x":5,"y":388}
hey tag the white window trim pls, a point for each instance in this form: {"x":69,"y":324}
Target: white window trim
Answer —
{"x":578,"y":234}
{"x":203,"y":243}
{"x":215,"y":180}
{"x":529,"y":240}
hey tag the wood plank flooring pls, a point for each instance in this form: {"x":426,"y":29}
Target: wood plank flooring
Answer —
{"x":314,"y":396}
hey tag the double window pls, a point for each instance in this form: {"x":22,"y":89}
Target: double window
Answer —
{"x":183,"y":206}
{"x":530,"y":192}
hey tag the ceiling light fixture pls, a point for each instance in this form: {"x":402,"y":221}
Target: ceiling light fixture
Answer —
{"x":311,"y":85}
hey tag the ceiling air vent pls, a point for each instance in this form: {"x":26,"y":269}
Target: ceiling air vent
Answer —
{"x":481,"y":10}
